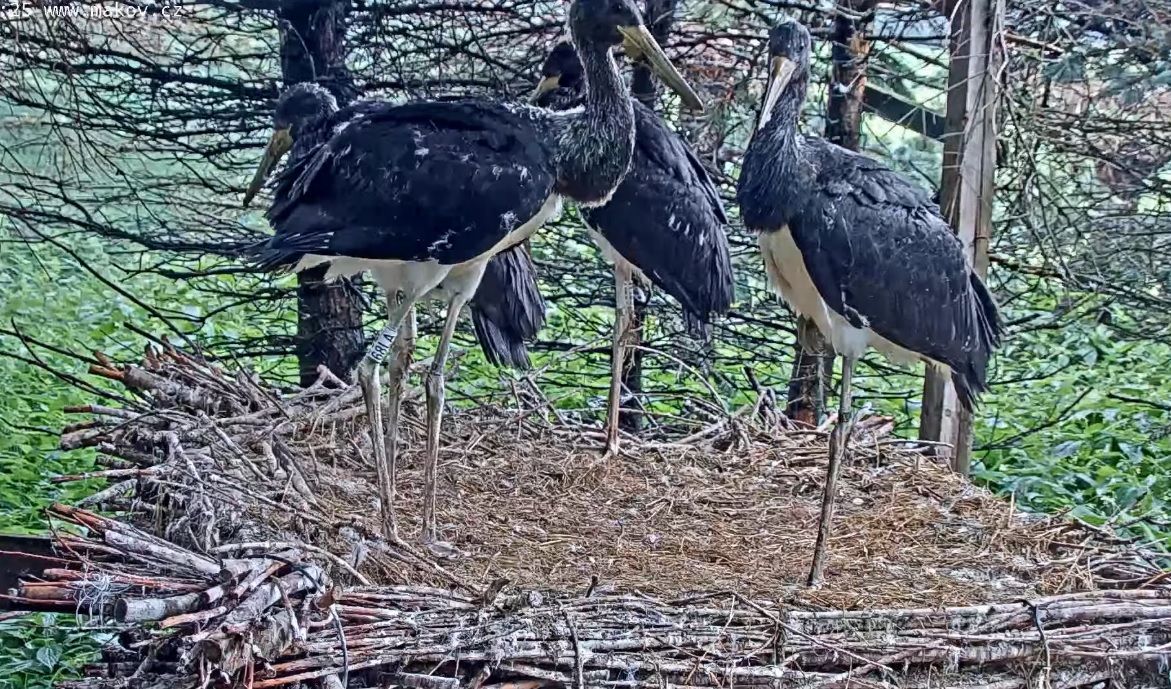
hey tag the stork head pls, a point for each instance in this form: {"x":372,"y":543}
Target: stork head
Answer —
{"x":609,"y":23}
{"x":789,"y":50}
{"x":562,"y":69}
{"x":298,"y":107}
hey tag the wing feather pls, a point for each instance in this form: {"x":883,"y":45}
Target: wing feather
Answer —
{"x":880,"y":254}
{"x":667,"y":219}
{"x":438,"y":181}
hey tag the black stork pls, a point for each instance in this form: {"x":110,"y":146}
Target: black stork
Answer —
{"x":664,"y":224}
{"x":859,"y":250}
{"x":507,"y":307}
{"x":427,"y":192}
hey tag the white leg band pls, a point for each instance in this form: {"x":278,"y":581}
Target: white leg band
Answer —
{"x":381,"y":346}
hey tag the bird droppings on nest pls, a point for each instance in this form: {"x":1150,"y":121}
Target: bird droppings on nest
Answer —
{"x":530,"y":500}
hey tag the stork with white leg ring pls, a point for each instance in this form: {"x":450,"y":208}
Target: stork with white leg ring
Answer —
{"x":426,"y":193}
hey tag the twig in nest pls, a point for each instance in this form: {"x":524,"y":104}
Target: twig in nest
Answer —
{"x":578,"y":670}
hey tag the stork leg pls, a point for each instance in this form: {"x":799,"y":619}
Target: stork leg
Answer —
{"x":435,"y":395}
{"x":837,"y":450}
{"x":623,"y":303}
{"x":400,"y":364}
{"x":371,"y":394}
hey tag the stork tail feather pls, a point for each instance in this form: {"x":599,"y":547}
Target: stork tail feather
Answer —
{"x":971,"y":380}
{"x":500,"y":347}
{"x":508,"y":308}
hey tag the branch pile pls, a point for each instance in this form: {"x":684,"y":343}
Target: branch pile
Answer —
{"x":244,"y":548}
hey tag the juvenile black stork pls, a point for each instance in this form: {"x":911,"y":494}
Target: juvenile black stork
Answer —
{"x":859,"y":250}
{"x":507,"y":307}
{"x":664,"y":224}
{"x":426,"y":193}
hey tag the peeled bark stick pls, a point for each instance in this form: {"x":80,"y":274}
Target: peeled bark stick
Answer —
{"x":189,"y":560}
{"x":108,"y":493}
{"x":235,"y":567}
{"x":130,"y":539}
{"x":106,"y":473}
{"x":288,"y":555}
{"x":268,"y":594}
{"x":123,"y":578}
{"x":154,"y":609}
{"x":193,"y":617}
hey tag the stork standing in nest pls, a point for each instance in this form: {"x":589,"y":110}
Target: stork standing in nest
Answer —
{"x":426,"y":193}
{"x":507,"y":307}
{"x":664,"y":224}
{"x":864,"y":254}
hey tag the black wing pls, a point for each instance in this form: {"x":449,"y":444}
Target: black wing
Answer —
{"x":883,"y":257}
{"x":438,"y":181}
{"x":508,"y":308}
{"x":667,"y":219}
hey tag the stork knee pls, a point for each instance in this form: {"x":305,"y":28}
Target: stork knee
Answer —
{"x":367,"y":372}
{"x":435,"y":383}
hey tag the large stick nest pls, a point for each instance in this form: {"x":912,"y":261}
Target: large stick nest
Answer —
{"x":247,"y":527}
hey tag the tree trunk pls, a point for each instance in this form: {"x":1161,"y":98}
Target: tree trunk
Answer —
{"x":813,"y":365}
{"x":329,"y":317}
{"x":659,"y":15}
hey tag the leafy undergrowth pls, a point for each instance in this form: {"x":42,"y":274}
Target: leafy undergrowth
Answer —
{"x":1086,"y":428}
{"x":48,"y":297}
{"x":38,"y":650}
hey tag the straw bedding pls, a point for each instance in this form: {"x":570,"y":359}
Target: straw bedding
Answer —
{"x":531,"y":500}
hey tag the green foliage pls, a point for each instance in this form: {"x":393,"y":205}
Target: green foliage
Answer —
{"x":50,"y":298}
{"x":1085,"y":438}
{"x":38,"y":650}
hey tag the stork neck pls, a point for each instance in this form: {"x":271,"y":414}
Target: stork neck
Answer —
{"x":597,"y":142}
{"x":605,"y":92}
{"x":775,"y":176}
{"x":782,"y":126}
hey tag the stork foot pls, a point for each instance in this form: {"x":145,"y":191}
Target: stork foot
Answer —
{"x":611,"y":450}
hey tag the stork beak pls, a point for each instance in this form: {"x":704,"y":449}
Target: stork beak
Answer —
{"x":780,"y":73}
{"x":547,"y":84}
{"x":278,"y":145}
{"x":638,"y":42}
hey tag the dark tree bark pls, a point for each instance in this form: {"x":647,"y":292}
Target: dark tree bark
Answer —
{"x":659,"y":15}
{"x":813,"y":365}
{"x":329,"y":316}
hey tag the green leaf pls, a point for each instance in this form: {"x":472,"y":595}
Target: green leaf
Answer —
{"x":49,"y":656}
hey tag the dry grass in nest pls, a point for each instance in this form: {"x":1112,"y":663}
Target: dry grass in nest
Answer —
{"x":542,"y":508}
